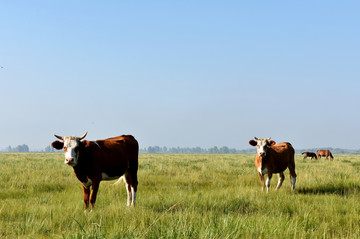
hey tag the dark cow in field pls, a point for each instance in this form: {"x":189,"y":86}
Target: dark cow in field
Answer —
{"x":274,"y":158}
{"x":108,"y":159}
{"x":309,"y":154}
{"x":324,"y":153}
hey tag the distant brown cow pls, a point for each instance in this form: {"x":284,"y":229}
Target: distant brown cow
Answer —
{"x":324,"y":153}
{"x":309,"y":154}
{"x":274,"y":158}
{"x":108,"y":159}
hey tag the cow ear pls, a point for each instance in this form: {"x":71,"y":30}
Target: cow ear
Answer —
{"x":252,"y":142}
{"x":271,"y":143}
{"x":57,"y":145}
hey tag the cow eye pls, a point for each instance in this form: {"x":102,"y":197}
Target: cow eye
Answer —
{"x":65,"y":148}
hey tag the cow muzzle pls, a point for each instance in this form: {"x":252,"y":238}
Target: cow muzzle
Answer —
{"x":70,"y":161}
{"x":262,"y":154}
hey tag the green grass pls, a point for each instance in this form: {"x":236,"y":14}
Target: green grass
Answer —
{"x":181,"y":196}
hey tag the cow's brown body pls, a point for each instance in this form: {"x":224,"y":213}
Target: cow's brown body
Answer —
{"x":324,"y":153}
{"x":276,"y":159}
{"x":309,"y":154}
{"x":106,"y":159}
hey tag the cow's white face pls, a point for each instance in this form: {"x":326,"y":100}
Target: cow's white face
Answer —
{"x":262,"y":145}
{"x":71,"y":150}
{"x":71,"y":146}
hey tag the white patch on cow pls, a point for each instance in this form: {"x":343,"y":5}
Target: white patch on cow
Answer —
{"x":70,"y":145}
{"x":133,"y":192}
{"x":262,"y":172}
{"x":280,"y":181}
{"x":129,"y":195}
{"x":88,"y":183}
{"x":261,"y":150}
{"x":267,"y":183}
{"x":69,"y":154}
{"x":104,"y":176}
{"x":121,"y":179}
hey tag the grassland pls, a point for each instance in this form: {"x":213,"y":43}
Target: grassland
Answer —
{"x":181,"y":196}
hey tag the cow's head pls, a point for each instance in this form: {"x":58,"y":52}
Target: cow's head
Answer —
{"x":71,"y":146}
{"x":262,"y":145}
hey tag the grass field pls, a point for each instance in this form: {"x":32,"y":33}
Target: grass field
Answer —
{"x":181,"y":196}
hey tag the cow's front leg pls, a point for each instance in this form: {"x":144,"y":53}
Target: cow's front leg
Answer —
{"x":261,"y":180}
{"x":95,"y":188}
{"x":86,"y":191}
{"x":267,"y":183}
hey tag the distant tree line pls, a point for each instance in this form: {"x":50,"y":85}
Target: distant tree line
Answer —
{"x":49,"y":149}
{"x":25,"y":149}
{"x":190,"y":150}
{"x":227,"y":150}
{"x":195,"y":150}
{"x":18,"y":149}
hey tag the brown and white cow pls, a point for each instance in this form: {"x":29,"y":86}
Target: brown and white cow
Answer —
{"x":274,"y":158}
{"x":324,"y":153}
{"x":108,"y":159}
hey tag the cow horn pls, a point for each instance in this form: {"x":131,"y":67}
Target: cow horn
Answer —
{"x":59,"y":137}
{"x":255,"y":138}
{"x":269,"y":138}
{"x":84,"y":135}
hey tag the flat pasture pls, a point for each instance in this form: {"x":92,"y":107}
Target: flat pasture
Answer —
{"x":181,"y":196}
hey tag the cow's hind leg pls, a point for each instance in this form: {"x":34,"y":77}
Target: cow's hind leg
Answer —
{"x":291,"y":167}
{"x":131,"y":187}
{"x":281,"y":178}
{"x":292,"y":178}
{"x":128,"y":188}
{"x":134,"y":187}
{"x":132,"y":178}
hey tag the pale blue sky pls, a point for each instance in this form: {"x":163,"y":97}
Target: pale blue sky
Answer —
{"x":181,"y":73}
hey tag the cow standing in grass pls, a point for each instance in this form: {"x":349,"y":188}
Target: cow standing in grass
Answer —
{"x":274,"y":158}
{"x":108,"y":159}
{"x":309,"y":154}
{"x":324,"y":153}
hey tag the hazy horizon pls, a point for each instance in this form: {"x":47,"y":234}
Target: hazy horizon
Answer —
{"x":250,"y":148}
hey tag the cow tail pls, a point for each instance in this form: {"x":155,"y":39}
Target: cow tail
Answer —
{"x":120,"y":180}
